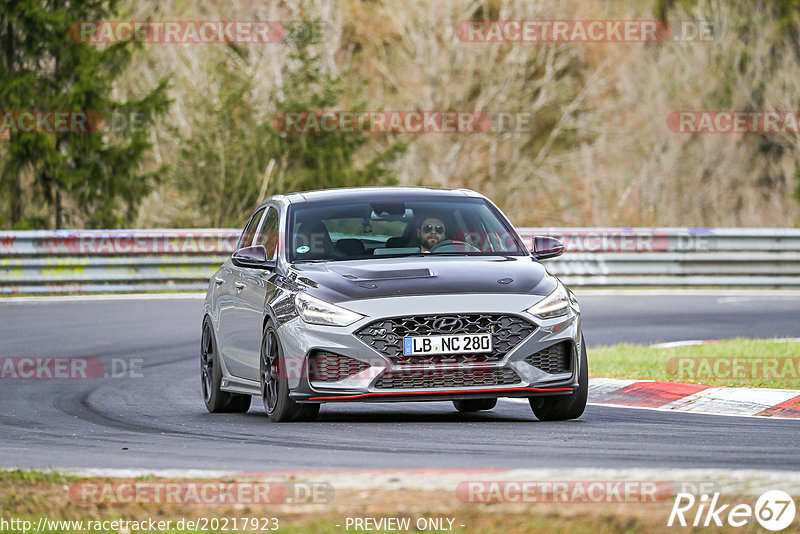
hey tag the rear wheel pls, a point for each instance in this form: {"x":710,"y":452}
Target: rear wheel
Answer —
{"x":275,"y":384}
{"x":474,"y":405}
{"x":563,"y":407}
{"x":217,"y":401}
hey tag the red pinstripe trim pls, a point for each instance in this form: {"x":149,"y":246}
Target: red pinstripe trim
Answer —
{"x":438,"y":392}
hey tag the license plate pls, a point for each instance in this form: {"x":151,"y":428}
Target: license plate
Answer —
{"x":452,"y":344}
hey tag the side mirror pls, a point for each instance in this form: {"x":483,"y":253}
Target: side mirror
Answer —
{"x":254,"y":257}
{"x":546,"y":247}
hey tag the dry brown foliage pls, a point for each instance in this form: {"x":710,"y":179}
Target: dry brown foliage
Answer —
{"x":597,"y":152}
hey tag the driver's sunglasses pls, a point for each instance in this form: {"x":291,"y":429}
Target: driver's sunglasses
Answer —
{"x":428,"y":228}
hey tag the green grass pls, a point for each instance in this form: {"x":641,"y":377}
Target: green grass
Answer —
{"x":22,"y":475}
{"x":29,"y":495}
{"x":737,"y":362}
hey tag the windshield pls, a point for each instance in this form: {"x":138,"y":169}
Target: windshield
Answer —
{"x":387,"y":227}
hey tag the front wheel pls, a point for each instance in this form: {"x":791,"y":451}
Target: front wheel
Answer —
{"x":275,"y":384}
{"x":474,"y":405}
{"x":563,"y":407}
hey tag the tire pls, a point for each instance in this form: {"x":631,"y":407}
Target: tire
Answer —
{"x":275,"y":384}
{"x":564,"y":407}
{"x":474,"y":405}
{"x":216,"y":400}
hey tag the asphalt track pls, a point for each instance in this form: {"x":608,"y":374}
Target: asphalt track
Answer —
{"x":158,"y":421}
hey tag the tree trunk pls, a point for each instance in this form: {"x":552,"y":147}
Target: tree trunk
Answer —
{"x":15,"y":189}
{"x":16,"y":199}
{"x":59,"y":211}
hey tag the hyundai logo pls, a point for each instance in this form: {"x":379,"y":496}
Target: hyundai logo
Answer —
{"x":447,"y":324}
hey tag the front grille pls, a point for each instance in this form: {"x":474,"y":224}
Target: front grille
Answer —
{"x":554,"y":359}
{"x":326,"y":366}
{"x":386,"y":335}
{"x":446,"y":378}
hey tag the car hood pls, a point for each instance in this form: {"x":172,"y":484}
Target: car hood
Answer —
{"x":341,"y":281}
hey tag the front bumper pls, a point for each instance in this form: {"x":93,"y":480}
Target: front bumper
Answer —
{"x":425,"y":383}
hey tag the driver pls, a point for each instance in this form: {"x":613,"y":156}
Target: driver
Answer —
{"x":429,"y":233}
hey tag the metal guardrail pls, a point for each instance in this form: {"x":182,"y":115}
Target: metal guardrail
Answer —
{"x":91,"y":261}
{"x":676,"y":257}
{"x":96,"y":261}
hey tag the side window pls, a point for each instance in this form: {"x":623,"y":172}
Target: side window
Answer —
{"x":249,"y":232}
{"x":268,"y":236}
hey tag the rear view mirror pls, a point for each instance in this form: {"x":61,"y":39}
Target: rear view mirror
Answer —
{"x":396,"y":209}
{"x":255,"y":257}
{"x":546,"y":247}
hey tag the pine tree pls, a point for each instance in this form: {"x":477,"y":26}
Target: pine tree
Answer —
{"x":54,"y":179}
{"x":234,"y":158}
{"x":325,"y":160}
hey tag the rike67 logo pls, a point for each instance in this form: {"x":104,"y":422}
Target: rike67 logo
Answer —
{"x":774,"y":510}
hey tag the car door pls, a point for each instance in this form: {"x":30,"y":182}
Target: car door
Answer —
{"x":230,"y":331}
{"x":256,"y":284}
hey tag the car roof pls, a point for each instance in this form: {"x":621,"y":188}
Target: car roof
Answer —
{"x":359,"y":193}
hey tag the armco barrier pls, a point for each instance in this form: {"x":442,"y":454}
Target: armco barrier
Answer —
{"x":94,"y":261}
{"x":720,"y":257}
{"x":90,"y":261}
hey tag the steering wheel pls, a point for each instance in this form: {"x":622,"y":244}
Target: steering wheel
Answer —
{"x":453,"y":244}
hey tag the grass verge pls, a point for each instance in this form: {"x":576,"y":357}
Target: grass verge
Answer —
{"x":29,"y":496}
{"x":738,"y":362}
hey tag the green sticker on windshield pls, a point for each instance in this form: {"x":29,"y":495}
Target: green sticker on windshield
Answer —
{"x":303,"y":249}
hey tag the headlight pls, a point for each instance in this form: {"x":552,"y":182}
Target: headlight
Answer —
{"x":556,"y":304}
{"x":316,"y":311}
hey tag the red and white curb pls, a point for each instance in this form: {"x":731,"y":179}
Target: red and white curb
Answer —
{"x":681,"y":397}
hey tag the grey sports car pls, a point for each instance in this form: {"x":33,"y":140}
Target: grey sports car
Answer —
{"x":389,"y":294}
